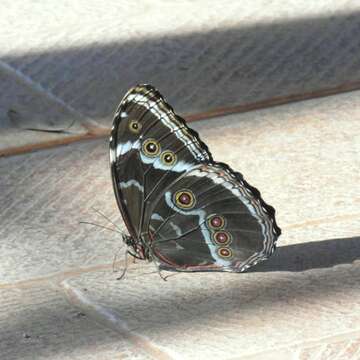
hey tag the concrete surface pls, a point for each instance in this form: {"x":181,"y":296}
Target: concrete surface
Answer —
{"x":56,"y":278}
{"x":73,"y":61}
{"x":38,"y":323}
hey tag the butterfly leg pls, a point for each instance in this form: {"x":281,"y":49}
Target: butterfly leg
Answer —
{"x":125,"y":267}
{"x":158,"y":270}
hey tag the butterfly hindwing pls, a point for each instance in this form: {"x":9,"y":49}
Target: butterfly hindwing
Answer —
{"x":211,"y":219}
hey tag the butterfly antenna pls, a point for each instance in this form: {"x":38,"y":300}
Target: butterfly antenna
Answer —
{"x":108,"y":219}
{"x":100,"y":226}
{"x":125,"y":267}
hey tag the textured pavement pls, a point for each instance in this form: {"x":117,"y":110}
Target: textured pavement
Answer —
{"x":60,"y":298}
{"x":73,"y":61}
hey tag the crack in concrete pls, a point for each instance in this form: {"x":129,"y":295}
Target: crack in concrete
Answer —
{"x":112,"y":320}
{"x":59,"y":276}
{"x":87,"y":122}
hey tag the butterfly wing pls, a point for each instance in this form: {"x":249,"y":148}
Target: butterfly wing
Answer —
{"x":150,"y":146}
{"x":210,"y":218}
{"x":193,"y":214}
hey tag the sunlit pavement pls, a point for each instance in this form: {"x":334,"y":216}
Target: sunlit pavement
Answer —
{"x":59,"y":295}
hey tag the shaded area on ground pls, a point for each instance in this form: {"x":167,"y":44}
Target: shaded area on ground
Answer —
{"x":197,"y":72}
{"x":247,"y":294}
{"x":312,"y":255}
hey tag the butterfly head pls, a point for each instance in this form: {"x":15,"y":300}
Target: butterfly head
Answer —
{"x":128,"y":240}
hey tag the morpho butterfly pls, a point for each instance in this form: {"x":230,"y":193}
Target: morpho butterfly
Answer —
{"x":183,"y":210}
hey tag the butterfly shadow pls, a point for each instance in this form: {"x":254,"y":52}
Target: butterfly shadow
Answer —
{"x":190,"y":300}
{"x":295,"y":274}
{"x":312,"y":255}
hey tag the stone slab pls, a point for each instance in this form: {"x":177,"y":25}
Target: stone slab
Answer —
{"x":24,"y":105}
{"x":303,"y":157}
{"x":304,"y":301}
{"x":44,"y":196}
{"x":202,"y":57}
{"x":38,"y":323}
{"x":231,"y":316}
{"x":343,"y":346}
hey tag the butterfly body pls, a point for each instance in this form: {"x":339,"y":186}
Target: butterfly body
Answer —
{"x":182,"y":209}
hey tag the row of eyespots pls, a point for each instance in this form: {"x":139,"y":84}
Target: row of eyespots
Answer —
{"x":152,"y":149}
{"x":220,"y":236}
{"x":185,"y":199}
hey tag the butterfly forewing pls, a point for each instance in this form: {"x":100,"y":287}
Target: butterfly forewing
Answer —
{"x":150,"y":147}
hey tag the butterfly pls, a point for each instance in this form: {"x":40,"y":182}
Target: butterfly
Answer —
{"x":182,"y":209}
